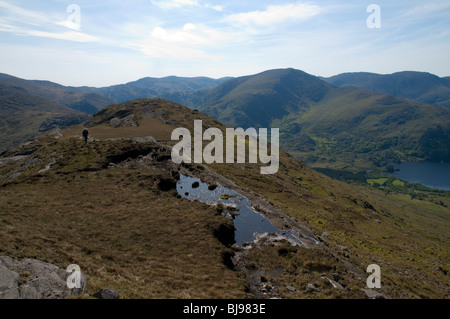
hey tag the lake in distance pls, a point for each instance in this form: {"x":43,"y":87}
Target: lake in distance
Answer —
{"x":433,"y":175}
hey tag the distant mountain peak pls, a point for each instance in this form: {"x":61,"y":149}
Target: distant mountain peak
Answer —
{"x":419,"y":86}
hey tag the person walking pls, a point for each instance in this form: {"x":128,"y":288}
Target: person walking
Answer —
{"x":85,"y":135}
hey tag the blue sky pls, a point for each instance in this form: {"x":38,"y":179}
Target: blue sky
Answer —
{"x":116,"y":41}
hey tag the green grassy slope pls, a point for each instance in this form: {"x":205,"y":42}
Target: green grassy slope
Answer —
{"x":84,"y":102}
{"x":259,"y":99}
{"x":318,"y":121}
{"x":23,"y":116}
{"x":418,"y":86}
{"x":352,"y":124}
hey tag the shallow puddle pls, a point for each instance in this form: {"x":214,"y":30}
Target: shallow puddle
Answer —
{"x":249,"y":223}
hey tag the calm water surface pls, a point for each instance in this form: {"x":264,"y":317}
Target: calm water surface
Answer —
{"x":248,"y":222}
{"x":434,"y":175}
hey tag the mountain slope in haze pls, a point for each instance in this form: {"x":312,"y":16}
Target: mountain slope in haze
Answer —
{"x":112,"y":208}
{"x":418,"y":86}
{"x":172,"y":87}
{"x":24,"y":120}
{"x":257,"y":100}
{"x":318,"y":120}
{"x":91,"y":99}
{"x":356,"y":124}
{"x":23,"y":115}
{"x":89,"y":103}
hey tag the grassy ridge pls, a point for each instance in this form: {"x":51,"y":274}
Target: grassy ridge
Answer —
{"x":116,"y":224}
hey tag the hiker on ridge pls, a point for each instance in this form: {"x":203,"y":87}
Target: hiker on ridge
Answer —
{"x":85,"y":135}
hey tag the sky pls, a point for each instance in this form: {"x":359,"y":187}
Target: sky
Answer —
{"x":106,"y":42}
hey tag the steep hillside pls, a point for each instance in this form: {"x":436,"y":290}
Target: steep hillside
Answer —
{"x":111,"y":206}
{"x":23,"y":116}
{"x":353,"y":126}
{"x":259,"y":99}
{"x":319,"y":122}
{"x":84,"y":102}
{"x":418,"y":86}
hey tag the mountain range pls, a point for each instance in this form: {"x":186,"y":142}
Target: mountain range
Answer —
{"x":23,"y":116}
{"x":418,"y":86}
{"x":171,"y":88}
{"x":84,"y":102}
{"x":351,"y":121}
{"x":30,"y":107}
{"x":324,"y":124}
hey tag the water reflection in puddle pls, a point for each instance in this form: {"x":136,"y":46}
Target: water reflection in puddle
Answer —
{"x":249,"y":224}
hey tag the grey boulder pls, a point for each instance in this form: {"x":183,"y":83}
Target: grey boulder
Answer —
{"x":34,"y":279}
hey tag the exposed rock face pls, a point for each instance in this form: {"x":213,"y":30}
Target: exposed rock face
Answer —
{"x":115,"y":122}
{"x":34,"y":279}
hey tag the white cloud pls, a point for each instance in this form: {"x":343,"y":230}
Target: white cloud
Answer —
{"x":69,"y":24}
{"x":68,"y":36}
{"x":275,"y":14}
{"x":187,"y":43}
{"x":174,"y":3}
{"x":24,"y":22}
{"x":214,"y":7}
{"x":18,"y":14}
{"x":427,"y":9}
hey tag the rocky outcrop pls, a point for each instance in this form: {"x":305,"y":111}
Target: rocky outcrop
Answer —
{"x":126,"y":121}
{"x":34,"y":279}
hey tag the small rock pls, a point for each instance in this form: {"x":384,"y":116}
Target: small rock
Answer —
{"x":310,"y":288}
{"x":266,"y":287}
{"x":145,"y":139}
{"x":107,"y":293}
{"x":335,"y":284}
{"x":372,"y":294}
{"x":291,"y":289}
